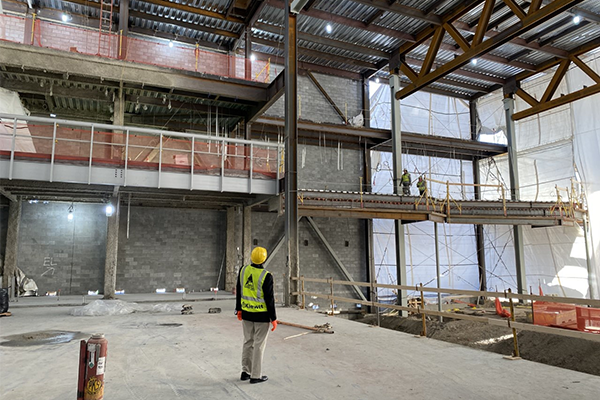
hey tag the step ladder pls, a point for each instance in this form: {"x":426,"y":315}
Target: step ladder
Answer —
{"x":105,"y":29}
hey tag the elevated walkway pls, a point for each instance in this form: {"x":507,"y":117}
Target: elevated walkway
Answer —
{"x":327,"y":203}
{"x":53,"y":150}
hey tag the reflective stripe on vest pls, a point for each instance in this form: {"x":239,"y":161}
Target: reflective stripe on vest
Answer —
{"x":405,"y":178}
{"x":251,"y":282}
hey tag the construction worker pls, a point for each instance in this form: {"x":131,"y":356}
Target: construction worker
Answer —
{"x":255,"y":307}
{"x":421,"y":185}
{"x":406,"y":182}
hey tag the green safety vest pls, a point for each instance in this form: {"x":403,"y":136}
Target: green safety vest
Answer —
{"x":405,"y":177}
{"x":251,"y":281}
{"x":421,"y":185}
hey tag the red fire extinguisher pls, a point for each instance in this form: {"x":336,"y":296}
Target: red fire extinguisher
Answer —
{"x":92,"y":361}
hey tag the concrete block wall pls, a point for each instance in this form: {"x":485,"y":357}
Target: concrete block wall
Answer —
{"x":315,"y":260}
{"x":170,"y":248}
{"x":346,"y":93}
{"x":333,"y":168}
{"x":60,"y":254}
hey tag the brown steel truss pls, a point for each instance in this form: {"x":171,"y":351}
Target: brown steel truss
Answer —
{"x":478,"y":47}
{"x":546,"y":102}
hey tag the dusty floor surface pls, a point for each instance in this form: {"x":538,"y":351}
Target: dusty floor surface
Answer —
{"x":574,"y":354}
{"x":173,"y":356}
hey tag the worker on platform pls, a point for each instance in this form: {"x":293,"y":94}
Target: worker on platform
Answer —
{"x":421,"y":185}
{"x":406,"y":182}
{"x":255,"y":307}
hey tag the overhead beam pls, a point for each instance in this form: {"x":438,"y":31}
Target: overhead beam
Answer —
{"x":400,"y":9}
{"x":183,"y":24}
{"x":190,"y":9}
{"x":529,"y":22}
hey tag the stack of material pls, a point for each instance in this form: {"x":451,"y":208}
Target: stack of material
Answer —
{"x":186,"y":309}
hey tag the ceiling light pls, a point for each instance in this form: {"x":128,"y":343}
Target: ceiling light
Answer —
{"x":109,"y":210}
{"x":328,"y":28}
{"x":70,"y":214}
{"x":474,"y":61}
{"x":377,"y":80}
{"x":53,"y":115}
{"x":65,"y":18}
{"x":252,"y":57}
{"x":170,"y":44}
{"x":576,"y":19}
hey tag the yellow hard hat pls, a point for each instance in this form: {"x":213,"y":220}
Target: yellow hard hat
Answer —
{"x":259,"y":255}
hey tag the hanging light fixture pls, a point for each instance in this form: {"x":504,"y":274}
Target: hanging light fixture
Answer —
{"x":109,"y":210}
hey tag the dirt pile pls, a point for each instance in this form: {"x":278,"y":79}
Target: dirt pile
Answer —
{"x":560,"y":351}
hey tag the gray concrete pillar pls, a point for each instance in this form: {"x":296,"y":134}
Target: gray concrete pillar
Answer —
{"x":112,"y":247}
{"x":123,"y":30}
{"x":231,"y":250}
{"x":12,"y":247}
{"x":247,"y":235}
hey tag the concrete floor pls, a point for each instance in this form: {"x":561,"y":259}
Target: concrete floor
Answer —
{"x":201,"y":359}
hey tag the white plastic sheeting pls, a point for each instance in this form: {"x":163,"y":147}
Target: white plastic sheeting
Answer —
{"x":99,"y":308}
{"x":552,"y":148}
{"x":457,"y":249}
{"x":10,"y":103}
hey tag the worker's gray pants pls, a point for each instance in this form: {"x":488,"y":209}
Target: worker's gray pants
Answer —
{"x":255,"y":341}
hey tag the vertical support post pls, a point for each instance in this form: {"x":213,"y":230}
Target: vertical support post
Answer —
{"x":590,"y":267}
{"x":126,"y":157}
{"x":192,"y":160}
{"x":437,"y":267}
{"x":331,"y":295}
{"x":423,"y":315}
{"x":397,"y":180}
{"x":160,"y":151}
{"x":516,"y":353}
{"x":12,"y":246}
{"x":230,"y":251}
{"x":112,"y":247}
{"x":91,"y":156}
{"x":12,"y":149}
{"x":303,"y":295}
{"x":247,"y":235}
{"x":251,"y":167}
{"x":123,"y":28}
{"x":509,"y":108}
{"x":366,"y":102}
{"x":248,"y":52}
{"x":223,"y":152}
{"x":115,"y":151}
{"x":53,"y":152}
{"x":479,"y":237}
{"x":291,"y":153}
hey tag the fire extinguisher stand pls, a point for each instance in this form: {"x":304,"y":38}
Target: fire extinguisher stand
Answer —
{"x":92,"y":361}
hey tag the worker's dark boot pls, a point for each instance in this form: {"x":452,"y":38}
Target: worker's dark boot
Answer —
{"x":245,"y":376}
{"x":259,"y":380}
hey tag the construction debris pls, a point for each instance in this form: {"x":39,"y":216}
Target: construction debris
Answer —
{"x":325,"y":328}
{"x":214,"y":310}
{"x":186,"y":309}
{"x":6,"y":314}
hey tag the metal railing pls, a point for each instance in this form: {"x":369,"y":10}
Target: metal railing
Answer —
{"x":101,"y":145}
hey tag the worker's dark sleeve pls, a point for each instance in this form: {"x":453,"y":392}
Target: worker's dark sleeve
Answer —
{"x":238,"y":293}
{"x":269,"y":296}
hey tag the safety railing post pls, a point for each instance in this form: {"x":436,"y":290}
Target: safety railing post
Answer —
{"x":302,"y":289}
{"x":423,"y":317}
{"x":223,"y":149}
{"x":251,"y":166}
{"x":12,"y":149}
{"x":160,"y":150}
{"x":331,"y":294}
{"x":91,"y":155}
{"x":514,"y":331}
{"x":126,"y":156}
{"x":53,"y":151}
{"x":192,"y":164}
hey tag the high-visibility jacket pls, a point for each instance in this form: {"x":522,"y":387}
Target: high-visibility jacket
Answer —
{"x":406,"y":178}
{"x":421,"y":185}
{"x":251,"y":281}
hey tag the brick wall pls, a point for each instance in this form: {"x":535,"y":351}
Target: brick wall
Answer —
{"x":346,"y":93}
{"x":170,"y":248}
{"x":12,"y":28}
{"x":315,"y":260}
{"x":60,"y":254}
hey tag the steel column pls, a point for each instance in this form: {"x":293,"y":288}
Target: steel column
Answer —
{"x":513,"y":168}
{"x":12,"y":246}
{"x":248,"y":52}
{"x":291,"y":154}
{"x":366,"y":102}
{"x":112,"y":247}
{"x":590,"y":267}
{"x":437,"y":266}
{"x":123,"y":28}
{"x":247,"y":234}
{"x":397,"y":179}
{"x":480,"y":245}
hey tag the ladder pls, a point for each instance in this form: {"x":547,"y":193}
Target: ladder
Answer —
{"x":105,"y":29}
